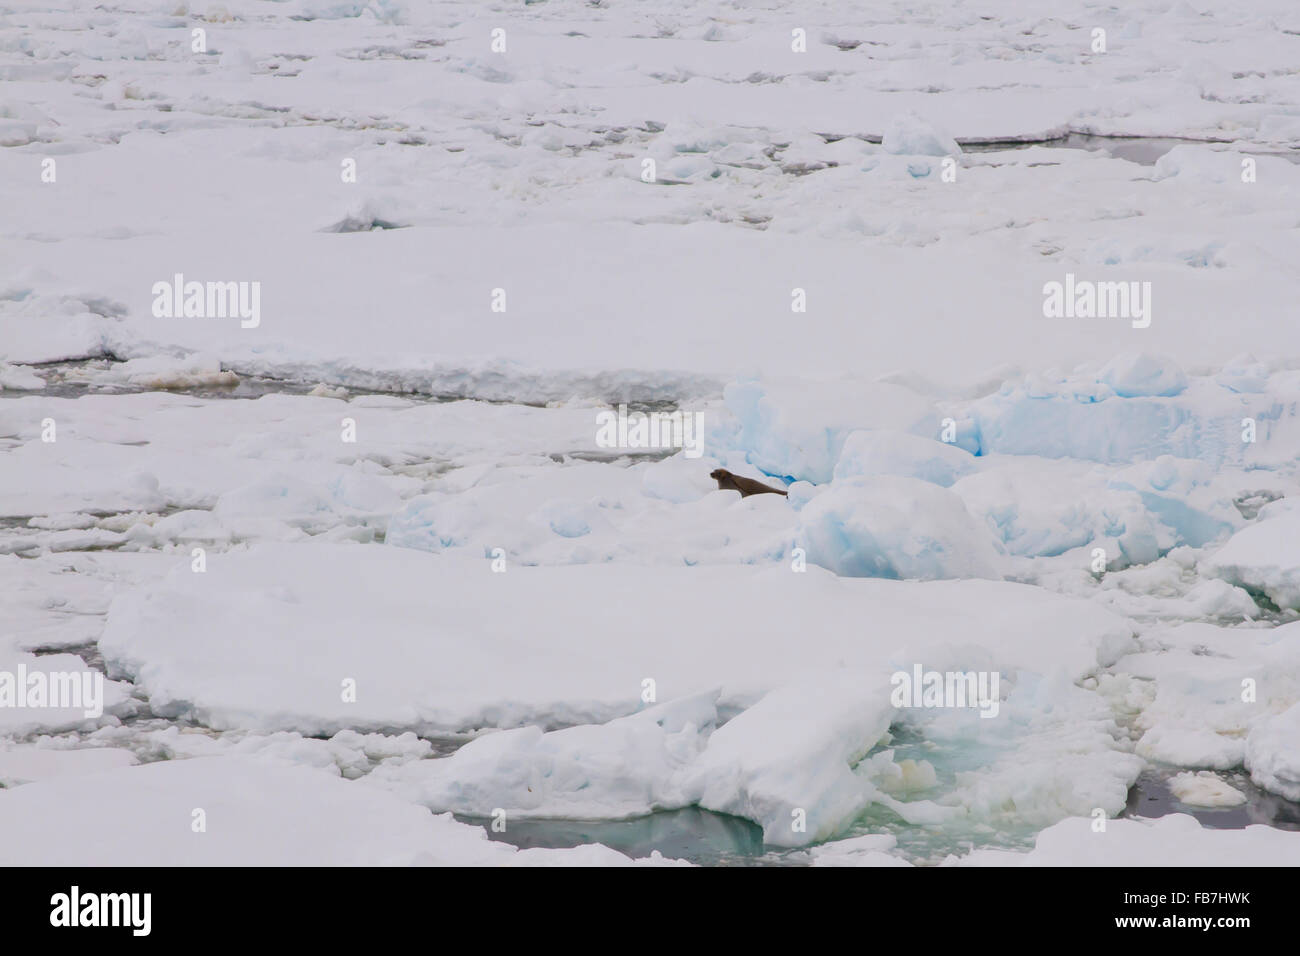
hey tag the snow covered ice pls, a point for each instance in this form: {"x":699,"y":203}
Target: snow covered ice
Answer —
{"x":309,"y":316}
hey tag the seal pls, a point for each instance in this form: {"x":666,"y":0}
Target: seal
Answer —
{"x":746,"y":486}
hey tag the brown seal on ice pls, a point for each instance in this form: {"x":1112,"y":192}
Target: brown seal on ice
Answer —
{"x":746,"y":486}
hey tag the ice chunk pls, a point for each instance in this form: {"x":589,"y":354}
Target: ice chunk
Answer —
{"x":1244,"y":374}
{"x":1273,"y":753}
{"x":19,"y":378}
{"x":1134,"y":374}
{"x":164,"y":371}
{"x":872,"y":850}
{"x":677,"y":479}
{"x":786,"y":762}
{"x":624,"y":768}
{"x":799,"y":432}
{"x":1263,"y":557}
{"x":1205,"y":789}
{"x":1191,"y":747}
{"x":891,"y":527}
{"x":878,"y":452}
{"x":1080,"y":417}
{"x":1202,"y":715}
{"x":1048,"y":508}
{"x":910,"y":135}
{"x":802,"y":492}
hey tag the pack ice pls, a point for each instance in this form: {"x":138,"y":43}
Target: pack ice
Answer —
{"x":793,"y":668}
{"x":333,"y":522}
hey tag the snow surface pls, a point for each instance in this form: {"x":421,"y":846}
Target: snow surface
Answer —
{"x":252,"y":814}
{"x":26,"y":764}
{"x":1175,"y":840}
{"x":483,"y":634}
{"x":529,"y":164}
